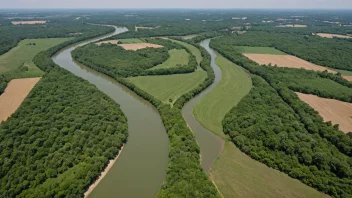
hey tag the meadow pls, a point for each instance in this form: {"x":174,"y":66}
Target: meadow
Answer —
{"x":170,"y":87}
{"x":195,"y":51}
{"x":17,"y":63}
{"x":177,"y":58}
{"x":234,"y":84}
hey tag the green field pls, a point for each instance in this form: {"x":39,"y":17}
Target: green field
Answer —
{"x":344,"y":72}
{"x":238,"y":175}
{"x":259,"y":50}
{"x":195,"y":51}
{"x":235,"y":84}
{"x":131,"y":40}
{"x":177,"y":58}
{"x":17,"y":63}
{"x":169,"y":86}
{"x":189,"y":36}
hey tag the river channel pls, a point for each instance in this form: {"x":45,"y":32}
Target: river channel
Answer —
{"x":141,"y":166}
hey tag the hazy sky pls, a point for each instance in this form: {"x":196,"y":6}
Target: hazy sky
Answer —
{"x":330,"y":4}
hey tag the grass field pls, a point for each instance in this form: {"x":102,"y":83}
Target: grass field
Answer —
{"x":235,"y":84}
{"x":195,"y":51}
{"x":189,"y":36}
{"x":177,"y":57}
{"x":344,"y":72}
{"x":237,"y":175}
{"x":131,"y":40}
{"x":15,"y":62}
{"x":169,"y":86}
{"x":259,"y":50}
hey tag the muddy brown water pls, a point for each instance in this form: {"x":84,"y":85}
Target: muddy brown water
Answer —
{"x":141,"y":167}
{"x":210,"y":145}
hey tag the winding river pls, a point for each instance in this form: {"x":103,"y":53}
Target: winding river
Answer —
{"x":141,"y":166}
{"x":210,"y":145}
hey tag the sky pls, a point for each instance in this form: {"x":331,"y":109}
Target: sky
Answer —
{"x":305,"y":4}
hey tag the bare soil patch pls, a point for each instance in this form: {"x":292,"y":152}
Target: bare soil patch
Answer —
{"x":27,"y":22}
{"x":293,"y":25}
{"x":331,"y":110}
{"x":114,"y":42}
{"x":349,"y":78}
{"x":16,"y":91}
{"x":137,"y":46}
{"x":285,"y":61}
{"x":324,"y":35}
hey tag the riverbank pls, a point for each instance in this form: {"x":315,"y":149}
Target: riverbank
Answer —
{"x":102,"y":175}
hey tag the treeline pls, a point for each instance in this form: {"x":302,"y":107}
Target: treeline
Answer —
{"x":266,"y":128}
{"x":108,"y":58}
{"x":200,"y":37}
{"x":185,"y":177}
{"x":314,"y":123}
{"x":3,"y":84}
{"x":11,"y":35}
{"x":334,"y":53}
{"x":61,"y":138}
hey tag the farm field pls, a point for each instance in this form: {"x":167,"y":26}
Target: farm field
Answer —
{"x":325,"y":35}
{"x":285,"y":61}
{"x":189,"y":36}
{"x":195,"y":51}
{"x":293,"y":25}
{"x":16,"y":91}
{"x":21,"y":57}
{"x":331,"y":110}
{"x":137,"y":46}
{"x":177,"y":58}
{"x":27,"y":22}
{"x":169,"y":87}
{"x":114,"y":42}
{"x":131,"y":40}
{"x":234,"y":84}
{"x":259,"y":50}
{"x":238,"y":175}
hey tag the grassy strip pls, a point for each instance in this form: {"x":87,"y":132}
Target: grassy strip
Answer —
{"x":234,"y":85}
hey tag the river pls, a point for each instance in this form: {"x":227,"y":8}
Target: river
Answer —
{"x":141,"y":166}
{"x":210,"y":145}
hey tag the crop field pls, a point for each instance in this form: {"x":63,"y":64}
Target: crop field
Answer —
{"x":189,"y":36}
{"x":285,"y":61}
{"x":16,"y":91}
{"x":331,"y":110}
{"x":131,"y":40}
{"x":20,"y":57}
{"x":325,"y":35}
{"x":177,"y":58}
{"x":169,"y":87}
{"x":137,"y":46}
{"x":235,"y":84}
{"x":27,"y":22}
{"x":238,"y":175}
{"x":293,"y":25}
{"x":195,"y":51}
{"x":114,"y":42}
{"x":259,"y":50}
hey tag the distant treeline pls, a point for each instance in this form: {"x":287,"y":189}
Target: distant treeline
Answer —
{"x":11,"y":35}
{"x":334,"y":53}
{"x":185,"y":177}
{"x":108,"y":58}
{"x":62,"y":137}
{"x":274,"y":126}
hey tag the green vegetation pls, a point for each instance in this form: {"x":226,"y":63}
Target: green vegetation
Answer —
{"x":169,"y":88}
{"x":334,"y":53}
{"x":275,"y":127}
{"x":110,"y":59}
{"x":178,"y":58}
{"x":259,"y":50}
{"x":233,"y":86}
{"x":238,"y":175}
{"x":195,"y":51}
{"x":132,"y":40}
{"x":344,"y":72}
{"x":17,"y":63}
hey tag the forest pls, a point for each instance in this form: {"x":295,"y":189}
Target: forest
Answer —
{"x":59,"y":134}
{"x":108,"y":58}
{"x":333,"y":53}
{"x":250,"y":131}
